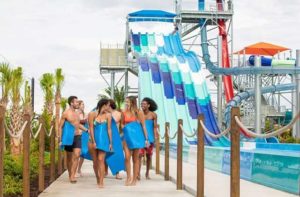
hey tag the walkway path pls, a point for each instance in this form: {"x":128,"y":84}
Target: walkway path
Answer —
{"x":86,"y":187}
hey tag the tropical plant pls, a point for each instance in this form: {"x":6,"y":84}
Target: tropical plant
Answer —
{"x":47,"y":83}
{"x":5,"y":80}
{"x":119,"y":95}
{"x":27,"y":95}
{"x":16,"y":116}
{"x":63,"y":103}
{"x":59,"y":81}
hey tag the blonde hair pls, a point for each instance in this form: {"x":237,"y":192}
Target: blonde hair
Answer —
{"x":133,"y":105}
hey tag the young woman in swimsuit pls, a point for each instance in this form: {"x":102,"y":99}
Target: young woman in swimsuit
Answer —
{"x":101,"y":136}
{"x":132,"y":114}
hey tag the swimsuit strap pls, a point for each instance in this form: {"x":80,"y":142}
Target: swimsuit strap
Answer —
{"x":128,"y":119}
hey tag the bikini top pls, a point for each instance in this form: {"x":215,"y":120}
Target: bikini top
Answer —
{"x":128,"y":119}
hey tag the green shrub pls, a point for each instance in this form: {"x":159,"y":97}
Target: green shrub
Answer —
{"x":13,"y":166}
{"x":13,"y":169}
{"x":12,"y":185}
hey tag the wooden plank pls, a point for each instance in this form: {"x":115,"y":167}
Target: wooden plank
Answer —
{"x":41,"y":157}
{"x":200,"y":158}
{"x":179,"y":155}
{"x":167,"y":152}
{"x":26,"y":156}
{"x":235,"y":154}
{"x":2,"y":141}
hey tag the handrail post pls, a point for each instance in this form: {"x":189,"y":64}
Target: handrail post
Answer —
{"x":2,"y":140}
{"x":200,"y":157}
{"x":26,"y":155}
{"x":167,"y":153}
{"x":179,"y":155}
{"x":52,"y":155}
{"x":41,"y":156}
{"x":59,"y":153}
{"x":157,"y":154}
{"x":235,"y":154}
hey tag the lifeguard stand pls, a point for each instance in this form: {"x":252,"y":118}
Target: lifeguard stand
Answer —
{"x":113,"y":59}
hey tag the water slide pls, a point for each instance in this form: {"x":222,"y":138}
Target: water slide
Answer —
{"x":290,"y":63}
{"x":172,"y":77}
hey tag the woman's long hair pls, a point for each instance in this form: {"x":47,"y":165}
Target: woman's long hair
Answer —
{"x":133,"y":105}
{"x":101,"y":103}
{"x":151,"y":102}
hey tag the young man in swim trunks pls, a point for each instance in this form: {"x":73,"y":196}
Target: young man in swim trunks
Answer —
{"x":73,"y":151}
{"x":148,"y":106}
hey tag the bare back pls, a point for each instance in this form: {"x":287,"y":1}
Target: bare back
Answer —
{"x":117,"y":116}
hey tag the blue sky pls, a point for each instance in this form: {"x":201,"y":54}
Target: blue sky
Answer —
{"x":42,"y":35}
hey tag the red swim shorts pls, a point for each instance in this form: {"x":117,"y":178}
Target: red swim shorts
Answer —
{"x":148,"y":151}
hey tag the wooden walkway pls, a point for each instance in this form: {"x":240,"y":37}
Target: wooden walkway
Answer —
{"x":87,"y":187}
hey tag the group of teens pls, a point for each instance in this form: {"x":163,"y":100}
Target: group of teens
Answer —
{"x":98,"y":147}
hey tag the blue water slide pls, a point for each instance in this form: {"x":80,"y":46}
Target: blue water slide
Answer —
{"x":179,"y":95}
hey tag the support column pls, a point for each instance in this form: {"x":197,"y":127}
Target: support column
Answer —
{"x":257,"y":63}
{"x":297,"y":103}
{"x":112,"y":85}
{"x":126,"y":83}
{"x":219,"y":88}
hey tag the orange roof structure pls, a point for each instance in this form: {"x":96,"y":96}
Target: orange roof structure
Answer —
{"x":262,"y":48}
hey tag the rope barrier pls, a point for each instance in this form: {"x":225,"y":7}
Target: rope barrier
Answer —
{"x":267,"y":135}
{"x":161,"y":136}
{"x":50,"y":132}
{"x":34,"y":136}
{"x":168,"y":133}
{"x":186,"y":134}
{"x":19,"y":133}
{"x":212,"y":134}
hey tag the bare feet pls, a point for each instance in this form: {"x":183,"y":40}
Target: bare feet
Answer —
{"x":101,"y":185}
{"x":78,"y":175}
{"x":118,"y":177}
{"x":138,"y":177}
{"x":73,"y":181}
{"x":133,"y":183}
{"x":147,"y":176}
{"x":128,"y":182}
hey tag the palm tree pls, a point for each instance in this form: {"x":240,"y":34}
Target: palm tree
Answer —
{"x":15,"y":113}
{"x":27,"y":96}
{"x":47,"y":83}
{"x":5,"y":81}
{"x":119,"y":95}
{"x":59,"y":80}
{"x":63,"y":103}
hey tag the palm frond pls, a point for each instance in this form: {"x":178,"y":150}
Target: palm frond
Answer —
{"x":59,"y":79}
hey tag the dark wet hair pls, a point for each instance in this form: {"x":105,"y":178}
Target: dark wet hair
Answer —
{"x":151,"y":102}
{"x":101,"y":103}
{"x":112,"y":104}
{"x":71,"y":99}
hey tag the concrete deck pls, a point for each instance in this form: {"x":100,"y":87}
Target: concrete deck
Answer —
{"x":218,"y":184}
{"x":87,"y":187}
